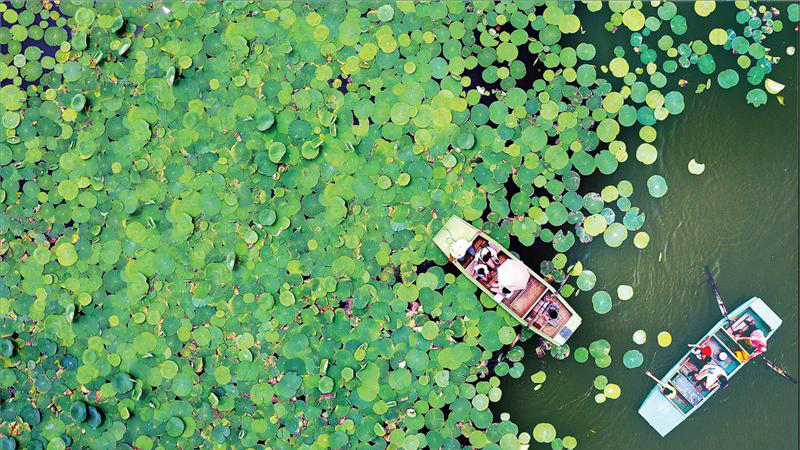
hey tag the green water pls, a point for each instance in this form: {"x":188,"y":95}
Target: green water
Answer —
{"x":739,"y":217}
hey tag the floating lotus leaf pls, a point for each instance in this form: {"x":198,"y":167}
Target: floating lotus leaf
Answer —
{"x":609,"y":194}
{"x":793,"y":11}
{"x":560,"y":352}
{"x":585,"y":51}
{"x":727,"y":78}
{"x":612,"y":391}
{"x":603,"y":361}
{"x":624,"y":292}
{"x":641,"y":239}
{"x":581,"y":354}
{"x":632,"y":359}
{"x":678,"y":25}
{"x":633,"y":19}
{"x":674,"y":103}
{"x":619,"y":67}
{"x":633,"y":219}
{"x":599,"y":348}
{"x":696,"y":168}
{"x":639,"y":337}
{"x":772,"y":86}
{"x":601,"y":302}
{"x":657,"y":186}
{"x":600,"y":398}
{"x":586,"y":280}
{"x":664,"y":339}
{"x":625,"y":188}
{"x":704,"y":7}
{"x":706,"y":64}
{"x":615,"y":235}
{"x":544,"y":433}
{"x":600,"y":382}
{"x":539,"y":377}
{"x":646,"y":153}
{"x":595,"y":225}
{"x":570,"y":442}
{"x":740,"y":44}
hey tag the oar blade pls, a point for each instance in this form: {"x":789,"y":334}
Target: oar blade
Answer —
{"x":780,"y":371}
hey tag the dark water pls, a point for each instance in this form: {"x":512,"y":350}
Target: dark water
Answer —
{"x":739,"y":217}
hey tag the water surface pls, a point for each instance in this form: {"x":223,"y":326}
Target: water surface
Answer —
{"x":739,"y":217}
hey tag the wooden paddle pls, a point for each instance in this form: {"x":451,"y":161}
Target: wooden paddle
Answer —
{"x":775,"y":368}
{"x":567,"y":273}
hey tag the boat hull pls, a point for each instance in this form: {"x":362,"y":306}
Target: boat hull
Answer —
{"x":662,"y":414}
{"x":456,"y":229}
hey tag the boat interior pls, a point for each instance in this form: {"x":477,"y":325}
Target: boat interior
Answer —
{"x":691,"y":391}
{"x":535,"y":304}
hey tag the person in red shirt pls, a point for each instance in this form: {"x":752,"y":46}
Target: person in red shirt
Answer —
{"x":702,"y":351}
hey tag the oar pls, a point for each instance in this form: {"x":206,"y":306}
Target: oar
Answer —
{"x":722,"y":307}
{"x":567,"y":273}
{"x":780,"y":371}
{"x":775,"y":368}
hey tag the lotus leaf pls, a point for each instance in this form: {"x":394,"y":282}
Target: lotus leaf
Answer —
{"x":657,"y":186}
{"x":727,"y":78}
{"x":544,"y":433}
{"x":624,"y":292}
{"x":601,"y":302}
{"x":639,"y":337}
{"x":664,"y":339}
{"x":696,"y":168}
{"x":632,"y":359}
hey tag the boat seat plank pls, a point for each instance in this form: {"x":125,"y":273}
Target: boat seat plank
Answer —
{"x":527,"y":297}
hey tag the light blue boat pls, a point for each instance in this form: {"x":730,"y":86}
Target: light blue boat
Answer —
{"x":665,"y":414}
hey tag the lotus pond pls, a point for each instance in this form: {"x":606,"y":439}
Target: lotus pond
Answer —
{"x":216,"y":219}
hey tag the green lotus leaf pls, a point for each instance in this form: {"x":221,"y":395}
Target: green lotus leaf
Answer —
{"x":544,"y":432}
{"x":615,"y":235}
{"x":704,"y":7}
{"x":632,"y":359}
{"x":586,"y":280}
{"x":612,"y":391}
{"x":664,"y":339}
{"x":601,"y":302}
{"x":581,"y":354}
{"x":657,"y":186}
{"x":122,"y":383}
{"x":756,"y":97}
{"x":718,"y":36}
{"x":619,"y":67}
{"x":727,"y":78}
{"x":641,"y":239}
{"x":600,"y":382}
{"x":646,"y":153}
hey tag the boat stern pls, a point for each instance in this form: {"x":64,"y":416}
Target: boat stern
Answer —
{"x":660,"y":413}
{"x":454,"y":229}
{"x":568,"y":329}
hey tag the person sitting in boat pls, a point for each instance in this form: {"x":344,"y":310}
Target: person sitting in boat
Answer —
{"x":461,"y":249}
{"x":487,"y":255}
{"x":701,"y":351}
{"x":757,"y":340}
{"x":668,"y":390}
{"x":512,"y":276}
{"x":482,"y":272}
{"x":714,"y":375}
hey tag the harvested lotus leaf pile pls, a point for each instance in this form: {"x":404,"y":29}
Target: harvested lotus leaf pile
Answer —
{"x":216,"y":217}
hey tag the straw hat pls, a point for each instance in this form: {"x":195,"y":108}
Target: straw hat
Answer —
{"x":459,"y":248}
